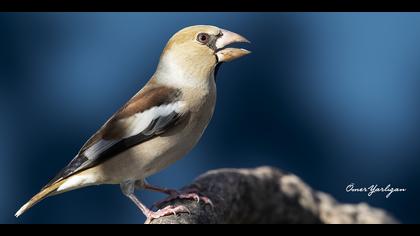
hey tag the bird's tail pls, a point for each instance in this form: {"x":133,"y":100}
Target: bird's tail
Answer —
{"x":50,"y":190}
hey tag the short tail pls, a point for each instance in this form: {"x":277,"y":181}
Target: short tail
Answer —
{"x":50,"y":190}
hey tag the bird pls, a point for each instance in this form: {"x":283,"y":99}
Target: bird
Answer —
{"x":159,"y":125}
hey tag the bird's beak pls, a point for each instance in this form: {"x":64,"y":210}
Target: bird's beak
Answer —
{"x":228,"y":54}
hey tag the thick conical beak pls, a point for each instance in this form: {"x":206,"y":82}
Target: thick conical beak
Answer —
{"x":228,"y":54}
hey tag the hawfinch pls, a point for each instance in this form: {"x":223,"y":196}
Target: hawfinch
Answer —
{"x":158,"y":125}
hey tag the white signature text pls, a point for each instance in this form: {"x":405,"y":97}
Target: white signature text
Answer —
{"x":373,"y":189}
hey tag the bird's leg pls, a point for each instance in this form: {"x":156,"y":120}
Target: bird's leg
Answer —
{"x":189,"y":194}
{"x":171,"y":192}
{"x":128,"y":190}
{"x":174,"y":194}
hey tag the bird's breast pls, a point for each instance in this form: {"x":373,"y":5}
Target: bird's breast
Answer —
{"x":151,"y":156}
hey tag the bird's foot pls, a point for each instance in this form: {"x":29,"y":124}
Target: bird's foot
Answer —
{"x":189,"y":194}
{"x":168,"y":210}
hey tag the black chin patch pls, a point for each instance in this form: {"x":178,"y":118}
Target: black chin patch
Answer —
{"x":216,"y":70}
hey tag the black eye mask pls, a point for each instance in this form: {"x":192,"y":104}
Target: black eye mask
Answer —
{"x":212,"y":42}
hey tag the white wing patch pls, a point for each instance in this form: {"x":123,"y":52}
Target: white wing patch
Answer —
{"x":99,"y":147}
{"x":135,"y":124}
{"x":140,"y":121}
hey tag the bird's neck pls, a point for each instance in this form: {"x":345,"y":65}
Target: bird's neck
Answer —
{"x":183,"y":72}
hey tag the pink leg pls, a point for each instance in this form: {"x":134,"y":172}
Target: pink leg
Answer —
{"x":128,"y":190}
{"x":169,"y":210}
{"x":174,"y":194}
{"x":160,"y":190}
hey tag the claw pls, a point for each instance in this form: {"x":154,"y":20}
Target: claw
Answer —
{"x":207,"y":200}
{"x":168,"y":210}
{"x":185,"y":194}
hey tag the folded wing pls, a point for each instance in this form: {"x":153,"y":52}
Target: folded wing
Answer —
{"x":148,"y":114}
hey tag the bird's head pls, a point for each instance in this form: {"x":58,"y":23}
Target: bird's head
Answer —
{"x":195,"y":51}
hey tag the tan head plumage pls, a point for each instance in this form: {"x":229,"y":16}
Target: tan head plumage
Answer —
{"x":196,"y":50}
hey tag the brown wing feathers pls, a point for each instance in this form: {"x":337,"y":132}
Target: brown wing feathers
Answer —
{"x":113,"y":129}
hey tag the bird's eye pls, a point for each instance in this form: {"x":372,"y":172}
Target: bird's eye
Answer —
{"x":203,"y":38}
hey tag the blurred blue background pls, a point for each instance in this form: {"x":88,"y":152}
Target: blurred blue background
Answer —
{"x":332,"y":97}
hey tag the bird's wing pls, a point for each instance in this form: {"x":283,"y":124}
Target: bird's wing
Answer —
{"x":148,"y":114}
